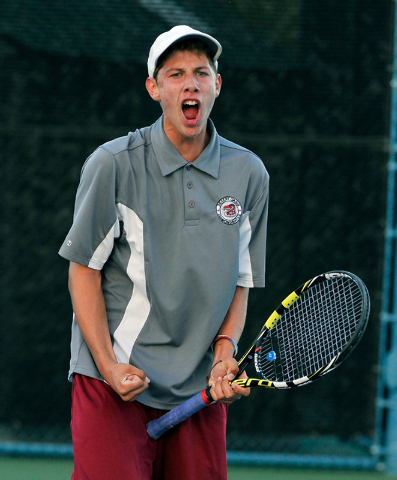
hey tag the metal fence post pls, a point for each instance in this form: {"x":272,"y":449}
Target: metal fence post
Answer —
{"x":387,"y":387}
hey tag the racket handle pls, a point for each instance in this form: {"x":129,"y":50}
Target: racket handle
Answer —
{"x":157,"y":427}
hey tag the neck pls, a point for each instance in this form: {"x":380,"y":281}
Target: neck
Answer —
{"x":189,"y":148}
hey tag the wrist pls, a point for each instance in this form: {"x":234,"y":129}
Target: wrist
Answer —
{"x":227,"y":342}
{"x":106,"y":367}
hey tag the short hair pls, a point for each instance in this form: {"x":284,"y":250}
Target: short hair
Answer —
{"x":189,"y":45}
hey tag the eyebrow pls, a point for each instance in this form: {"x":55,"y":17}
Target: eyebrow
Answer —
{"x":180,"y":69}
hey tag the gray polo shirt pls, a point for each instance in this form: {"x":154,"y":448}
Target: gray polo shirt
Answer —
{"x":172,"y":239}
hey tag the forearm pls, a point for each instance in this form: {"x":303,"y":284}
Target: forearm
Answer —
{"x":90,"y":311}
{"x":225,"y":367}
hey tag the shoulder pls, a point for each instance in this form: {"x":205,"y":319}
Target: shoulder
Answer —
{"x":239,"y":152}
{"x":109,"y":154}
{"x":128,"y":142}
{"x":243,"y":158}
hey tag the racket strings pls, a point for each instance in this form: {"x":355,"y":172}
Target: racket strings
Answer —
{"x":312,"y":331}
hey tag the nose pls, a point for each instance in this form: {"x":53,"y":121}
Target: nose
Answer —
{"x":191,"y":83}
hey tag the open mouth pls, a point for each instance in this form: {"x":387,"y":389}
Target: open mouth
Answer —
{"x":190,"y":109}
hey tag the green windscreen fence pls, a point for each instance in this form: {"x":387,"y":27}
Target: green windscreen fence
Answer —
{"x":305,"y":86}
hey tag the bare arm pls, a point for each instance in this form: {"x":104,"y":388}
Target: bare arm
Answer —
{"x":89,"y":307}
{"x":224,"y":365}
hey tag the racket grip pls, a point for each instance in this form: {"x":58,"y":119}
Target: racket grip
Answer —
{"x":157,"y":427}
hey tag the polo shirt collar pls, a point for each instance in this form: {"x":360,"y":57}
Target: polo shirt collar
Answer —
{"x":170,"y":160}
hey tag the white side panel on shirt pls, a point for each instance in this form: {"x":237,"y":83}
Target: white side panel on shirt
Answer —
{"x":245,"y":268}
{"x":138,"y":308}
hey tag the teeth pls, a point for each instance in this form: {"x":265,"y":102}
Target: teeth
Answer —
{"x":190,"y":102}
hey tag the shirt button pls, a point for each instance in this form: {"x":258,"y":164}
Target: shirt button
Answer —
{"x":191,"y":204}
{"x":189,"y":185}
{"x":188,"y":167}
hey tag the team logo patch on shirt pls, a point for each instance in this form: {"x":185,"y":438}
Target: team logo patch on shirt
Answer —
{"x":229,"y":210}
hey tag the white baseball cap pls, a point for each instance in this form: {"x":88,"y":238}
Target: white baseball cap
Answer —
{"x":166,"y":39}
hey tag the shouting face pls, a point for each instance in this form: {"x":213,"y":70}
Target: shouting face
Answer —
{"x":186,"y":88}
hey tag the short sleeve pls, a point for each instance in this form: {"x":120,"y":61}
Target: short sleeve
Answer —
{"x":95,"y":223}
{"x":253,"y":234}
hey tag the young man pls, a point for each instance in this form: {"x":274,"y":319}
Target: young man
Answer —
{"x":168,"y":235}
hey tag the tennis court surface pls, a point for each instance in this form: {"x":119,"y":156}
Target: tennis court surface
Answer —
{"x":50,"y":469}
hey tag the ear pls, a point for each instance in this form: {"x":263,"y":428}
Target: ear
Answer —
{"x":218,"y":85}
{"x":152,"y":88}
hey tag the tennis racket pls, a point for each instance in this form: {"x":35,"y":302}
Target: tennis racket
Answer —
{"x":309,"y":334}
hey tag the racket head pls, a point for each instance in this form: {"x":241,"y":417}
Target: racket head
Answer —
{"x":313,"y":330}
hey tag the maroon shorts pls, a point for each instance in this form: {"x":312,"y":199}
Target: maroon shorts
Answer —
{"x":110,"y":441}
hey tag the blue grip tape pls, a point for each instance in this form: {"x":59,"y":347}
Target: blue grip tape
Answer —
{"x":157,"y":427}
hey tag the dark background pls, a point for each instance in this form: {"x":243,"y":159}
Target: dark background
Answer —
{"x":305,"y":86}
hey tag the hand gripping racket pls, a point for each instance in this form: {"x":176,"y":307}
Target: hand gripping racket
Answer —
{"x":309,"y":334}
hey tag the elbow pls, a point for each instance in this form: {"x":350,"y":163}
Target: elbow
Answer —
{"x":80,"y":276}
